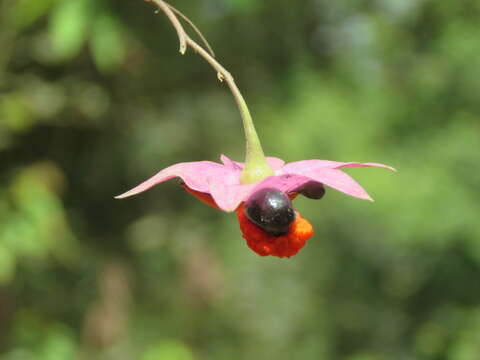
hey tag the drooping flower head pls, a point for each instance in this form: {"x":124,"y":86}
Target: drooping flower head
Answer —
{"x":261,"y":189}
{"x":260,"y":204}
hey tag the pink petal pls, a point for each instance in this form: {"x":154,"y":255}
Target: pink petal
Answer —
{"x":194,"y":174}
{"x":328,"y":173}
{"x":233,"y":165}
{"x":286,"y":183}
{"x":229,"y":195}
{"x":275,"y":163}
{"x":334,"y":178}
{"x":338,"y":180}
{"x":369,"y":164}
{"x":310,"y":165}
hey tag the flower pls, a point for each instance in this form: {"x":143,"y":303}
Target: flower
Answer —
{"x":219,"y":186}
{"x":261,"y":189}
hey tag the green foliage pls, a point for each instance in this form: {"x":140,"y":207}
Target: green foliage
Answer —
{"x":244,"y":5}
{"x":7,"y":264}
{"x":68,"y":26}
{"x":15,"y":113}
{"x":26,"y":12}
{"x":32,"y":213}
{"x":95,"y":98}
{"x":168,"y":350}
{"x":107,"y":45}
{"x":59,"y":344}
{"x":73,"y":22}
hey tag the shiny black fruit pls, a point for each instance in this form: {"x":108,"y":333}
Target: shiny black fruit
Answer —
{"x":312,"y":190}
{"x":271,"y":210}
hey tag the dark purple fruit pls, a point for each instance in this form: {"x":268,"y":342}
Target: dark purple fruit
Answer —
{"x":312,"y":190}
{"x":271,"y":210}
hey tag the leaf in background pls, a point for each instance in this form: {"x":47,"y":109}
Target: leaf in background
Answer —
{"x":59,"y":344}
{"x":106,"y":43}
{"x":7,"y":264}
{"x":14,"y":113}
{"x":69,"y":23}
{"x":26,"y":12}
{"x":38,"y":214}
{"x":245,"y":5}
{"x":168,"y":350}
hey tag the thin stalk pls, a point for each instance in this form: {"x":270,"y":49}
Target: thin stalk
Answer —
{"x":256,"y":167}
{"x":194,"y":27}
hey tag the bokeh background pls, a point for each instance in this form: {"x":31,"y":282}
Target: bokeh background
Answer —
{"x":94,"y":98}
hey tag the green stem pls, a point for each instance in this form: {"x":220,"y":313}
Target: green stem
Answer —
{"x":256,"y":166}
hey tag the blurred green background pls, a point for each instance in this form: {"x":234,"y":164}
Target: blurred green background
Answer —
{"x":94,"y":98}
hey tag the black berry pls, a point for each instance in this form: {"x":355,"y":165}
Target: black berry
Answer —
{"x":271,"y":210}
{"x":312,"y":190}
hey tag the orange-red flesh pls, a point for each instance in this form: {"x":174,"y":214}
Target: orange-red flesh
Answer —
{"x":282,"y":246}
{"x":260,"y":241}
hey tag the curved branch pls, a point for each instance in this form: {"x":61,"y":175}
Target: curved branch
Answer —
{"x":256,"y":166}
{"x":194,"y":27}
{"x":182,"y":35}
